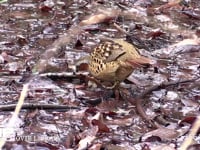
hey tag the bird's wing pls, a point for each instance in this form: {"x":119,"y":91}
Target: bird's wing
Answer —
{"x":109,"y":51}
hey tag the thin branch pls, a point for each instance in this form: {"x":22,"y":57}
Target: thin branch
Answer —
{"x":139,"y":99}
{"x":11,"y":107}
{"x":12,"y":122}
{"x":165,"y":85}
{"x":191,"y":135}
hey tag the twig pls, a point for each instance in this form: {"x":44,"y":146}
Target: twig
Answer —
{"x":12,"y":121}
{"x":121,"y":29}
{"x":140,"y":98}
{"x":192,"y":133}
{"x":164,"y":85}
{"x":37,"y":106}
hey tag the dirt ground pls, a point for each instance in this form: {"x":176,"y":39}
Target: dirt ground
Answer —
{"x":44,"y":43}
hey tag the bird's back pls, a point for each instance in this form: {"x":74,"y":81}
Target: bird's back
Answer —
{"x":114,"y":60}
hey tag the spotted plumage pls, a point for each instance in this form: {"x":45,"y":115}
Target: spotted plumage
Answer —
{"x":114,"y":60}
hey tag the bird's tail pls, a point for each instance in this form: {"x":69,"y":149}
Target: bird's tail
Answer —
{"x":141,"y":61}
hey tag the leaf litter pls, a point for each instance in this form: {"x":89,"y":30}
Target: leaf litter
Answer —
{"x":169,"y":31}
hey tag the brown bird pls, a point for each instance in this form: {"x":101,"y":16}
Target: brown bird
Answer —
{"x":114,"y":60}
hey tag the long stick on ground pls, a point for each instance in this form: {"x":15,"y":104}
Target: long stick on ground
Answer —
{"x":12,"y":122}
{"x":193,"y":131}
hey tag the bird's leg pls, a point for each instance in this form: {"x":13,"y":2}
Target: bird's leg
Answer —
{"x":110,"y":87}
{"x":101,"y":84}
{"x":117,"y":93}
{"x":115,"y":88}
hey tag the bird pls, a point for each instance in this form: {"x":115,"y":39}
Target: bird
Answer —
{"x":113,"y":60}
